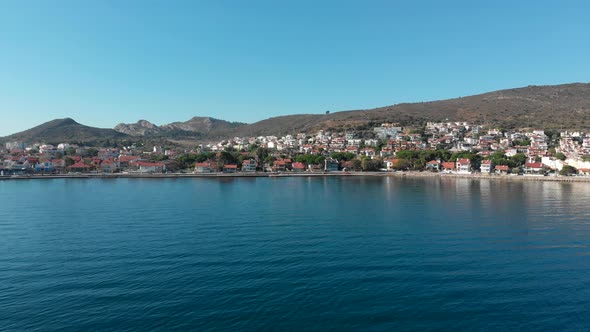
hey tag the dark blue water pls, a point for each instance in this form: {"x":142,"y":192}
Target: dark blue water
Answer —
{"x":380,"y":254}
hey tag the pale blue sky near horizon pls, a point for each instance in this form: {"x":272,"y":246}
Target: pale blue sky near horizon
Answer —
{"x":106,"y":62}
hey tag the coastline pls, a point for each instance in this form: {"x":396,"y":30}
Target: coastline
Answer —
{"x":410,"y":174}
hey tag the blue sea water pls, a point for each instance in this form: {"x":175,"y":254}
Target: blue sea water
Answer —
{"x":291,"y":254}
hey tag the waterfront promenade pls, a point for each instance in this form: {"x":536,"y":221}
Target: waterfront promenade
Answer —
{"x":409,"y":174}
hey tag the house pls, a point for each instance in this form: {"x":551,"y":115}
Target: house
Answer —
{"x":315,"y":168}
{"x":352,"y":149}
{"x":45,"y":167}
{"x":330,"y":165}
{"x":149,"y":167}
{"x":249,"y":165}
{"x":230,"y":168}
{"x":448,"y":166}
{"x":433,"y":165}
{"x":125,"y":161}
{"x":487,"y":166}
{"x":279,"y":165}
{"x":534,"y":168}
{"x":59,"y":164}
{"x":386,"y":151}
{"x":108,"y":166}
{"x":390,"y":163}
{"x":203,"y":168}
{"x":463,"y":166}
{"x":298,"y":167}
{"x":80,"y":167}
{"x":502,"y":169}
{"x":369,"y":152}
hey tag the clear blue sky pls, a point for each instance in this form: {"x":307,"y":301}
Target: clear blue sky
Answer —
{"x":105,"y":62}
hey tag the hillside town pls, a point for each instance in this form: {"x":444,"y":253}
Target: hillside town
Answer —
{"x":446,"y":147}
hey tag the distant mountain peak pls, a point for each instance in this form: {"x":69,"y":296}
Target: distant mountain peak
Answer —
{"x":64,"y":121}
{"x":197,"y":126}
{"x":140,"y":128}
{"x":63,"y":130}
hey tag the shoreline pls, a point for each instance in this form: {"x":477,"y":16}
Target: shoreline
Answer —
{"x":477,"y":176}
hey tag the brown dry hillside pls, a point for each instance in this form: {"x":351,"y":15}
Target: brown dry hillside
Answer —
{"x":65,"y":130}
{"x":554,"y":107}
{"x":550,"y":107}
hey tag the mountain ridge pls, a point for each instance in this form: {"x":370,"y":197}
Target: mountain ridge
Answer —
{"x":64,"y":130}
{"x":533,"y":106}
{"x":196,"y":126}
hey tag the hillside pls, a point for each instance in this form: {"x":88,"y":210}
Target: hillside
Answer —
{"x":551,"y":107}
{"x":140,"y":128}
{"x":554,"y":107}
{"x":64,"y":130}
{"x":197,"y":127}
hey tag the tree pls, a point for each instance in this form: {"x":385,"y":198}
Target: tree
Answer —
{"x":560,"y":156}
{"x":70,"y":151}
{"x":262,"y":153}
{"x":401,"y":164}
{"x":525,"y":142}
{"x":354,"y":165}
{"x":343,"y":156}
{"x":269,"y":160}
{"x":158,"y":157}
{"x":519,"y":159}
{"x":499,"y":158}
{"x":69,"y":161}
{"x":254,"y":147}
{"x":568,"y":170}
{"x":227,"y":158}
{"x":371,"y":165}
{"x":92,"y":152}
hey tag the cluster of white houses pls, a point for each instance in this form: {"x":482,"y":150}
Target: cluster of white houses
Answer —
{"x":386,"y":140}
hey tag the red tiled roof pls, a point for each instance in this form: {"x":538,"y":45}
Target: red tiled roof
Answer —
{"x":298,"y":165}
{"x":80,"y":165}
{"x":534,"y":165}
{"x":463,"y":161}
{"x":433,"y":162}
{"x":448,"y":165}
{"x":230,"y":166}
{"x":148,"y":164}
{"x":502,"y":167}
{"x":203,"y":165}
{"x":486,"y":162}
{"x":128,"y":158}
